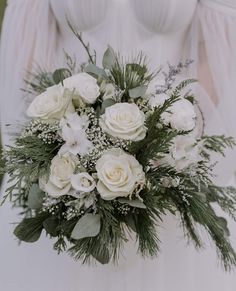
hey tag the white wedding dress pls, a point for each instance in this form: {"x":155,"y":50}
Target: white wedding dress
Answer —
{"x":36,"y":32}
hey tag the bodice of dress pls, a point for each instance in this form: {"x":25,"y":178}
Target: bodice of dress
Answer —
{"x":128,"y":25}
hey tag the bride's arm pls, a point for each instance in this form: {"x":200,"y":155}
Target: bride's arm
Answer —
{"x":29,"y":37}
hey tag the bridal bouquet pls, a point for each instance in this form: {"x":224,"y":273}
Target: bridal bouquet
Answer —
{"x":107,"y":152}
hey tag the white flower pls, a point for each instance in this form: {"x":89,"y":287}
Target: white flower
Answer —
{"x":108,"y":90}
{"x":118,"y":174}
{"x":168,"y":182}
{"x":73,"y":133}
{"x":83,"y":182}
{"x":158,"y":100}
{"x":125,"y":121}
{"x":85,"y":87}
{"x":184,"y":152}
{"x":61,"y":171}
{"x":52,"y":104}
{"x":75,"y":121}
{"x":181,"y":115}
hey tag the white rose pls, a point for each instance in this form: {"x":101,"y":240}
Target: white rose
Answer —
{"x":61,"y":170}
{"x":118,"y":174}
{"x":51,"y":104}
{"x":84,"y":86}
{"x":181,"y":115}
{"x":83,"y":182}
{"x":184,"y":152}
{"x":125,"y":121}
{"x":108,"y":90}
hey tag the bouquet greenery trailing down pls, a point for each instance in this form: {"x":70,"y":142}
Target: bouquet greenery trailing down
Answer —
{"x":107,"y":153}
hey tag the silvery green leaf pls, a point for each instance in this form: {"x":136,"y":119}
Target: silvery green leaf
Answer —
{"x":88,"y":226}
{"x":107,"y":103}
{"x":35,"y":198}
{"x":131,"y":223}
{"x":224,"y":225}
{"x":109,"y":58}
{"x":94,"y":70}
{"x":50,"y":225}
{"x":134,"y":203}
{"x":60,"y":74}
{"x":29,"y":230}
{"x":138,"y":91}
{"x":103,"y":257}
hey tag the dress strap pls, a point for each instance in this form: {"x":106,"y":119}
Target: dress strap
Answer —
{"x":223,"y":6}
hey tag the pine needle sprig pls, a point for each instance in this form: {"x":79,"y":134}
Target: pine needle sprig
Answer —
{"x":218,"y":143}
{"x":24,"y":162}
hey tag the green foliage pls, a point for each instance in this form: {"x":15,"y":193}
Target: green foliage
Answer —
{"x":87,"y":226}
{"x":218,"y":143}
{"x":193,"y":203}
{"x":137,"y":203}
{"x":138,"y":91}
{"x":109,"y":58}
{"x":61,"y":74}
{"x":25,"y":162}
{"x":29,"y":230}
{"x":37,"y":82}
{"x":131,"y":76}
{"x":35,"y":197}
{"x":158,"y":139}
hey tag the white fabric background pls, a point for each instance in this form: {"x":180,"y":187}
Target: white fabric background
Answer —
{"x":35,"y":32}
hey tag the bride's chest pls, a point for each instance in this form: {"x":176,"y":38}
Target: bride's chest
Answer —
{"x":158,"y":16}
{"x":157,"y":27}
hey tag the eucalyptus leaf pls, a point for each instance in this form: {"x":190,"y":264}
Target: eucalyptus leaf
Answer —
{"x":60,"y":75}
{"x":138,"y":91}
{"x":130,"y":222}
{"x":88,"y":226}
{"x":224,"y":225}
{"x":109,"y":58}
{"x":103,"y":257}
{"x":134,"y":203}
{"x":35,"y":197}
{"x":50,"y":225}
{"x":30,"y":229}
{"x":95,"y":71}
{"x":107,"y":103}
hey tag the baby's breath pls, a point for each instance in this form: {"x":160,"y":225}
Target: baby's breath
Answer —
{"x":48,"y":132}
